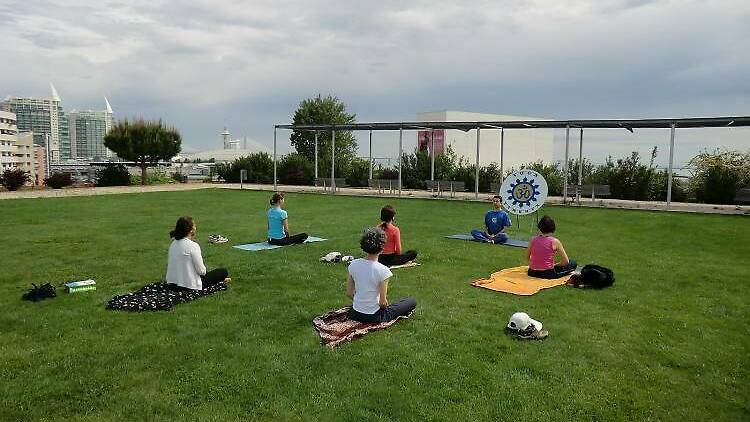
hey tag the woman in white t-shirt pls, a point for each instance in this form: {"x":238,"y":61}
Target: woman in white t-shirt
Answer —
{"x":185,"y":269}
{"x":368,"y":284}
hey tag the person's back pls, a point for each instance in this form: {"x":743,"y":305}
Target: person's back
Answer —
{"x":392,"y":239}
{"x":276,"y":217}
{"x":542,"y":252}
{"x":367,"y":284}
{"x":367,"y":276}
{"x":183,"y":258}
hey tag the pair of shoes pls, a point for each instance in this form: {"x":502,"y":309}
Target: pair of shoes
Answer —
{"x":37,"y":293}
{"x":217,"y":238}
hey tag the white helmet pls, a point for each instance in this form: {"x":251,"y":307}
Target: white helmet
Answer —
{"x":521,"y":321}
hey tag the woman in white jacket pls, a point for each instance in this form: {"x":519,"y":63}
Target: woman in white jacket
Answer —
{"x":185,"y":269}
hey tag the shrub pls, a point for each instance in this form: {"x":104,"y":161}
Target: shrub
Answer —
{"x":259,"y":168}
{"x":552,"y":175}
{"x":718,"y":174}
{"x":155,"y":178}
{"x":116,"y":175}
{"x":657,"y":190}
{"x":359,"y":172}
{"x":14,"y":179}
{"x":295,"y":169}
{"x":58,"y":180}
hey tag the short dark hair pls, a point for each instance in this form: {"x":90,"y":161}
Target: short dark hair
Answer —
{"x":497,"y":197}
{"x":182,"y":228}
{"x":278,"y":196}
{"x":372,"y":240}
{"x":546,"y":224}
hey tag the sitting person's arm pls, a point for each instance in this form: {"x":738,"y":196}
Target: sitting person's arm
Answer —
{"x":383,"y":292}
{"x":350,"y":287}
{"x":286,"y":227}
{"x":397,"y":240}
{"x":195,"y":256}
{"x":558,"y":248}
{"x":528,"y":254}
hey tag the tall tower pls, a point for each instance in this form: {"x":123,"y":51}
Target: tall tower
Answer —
{"x":225,"y":137}
{"x":44,"y":117}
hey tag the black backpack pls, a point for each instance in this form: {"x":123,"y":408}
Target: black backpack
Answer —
{"x":597,"y":276}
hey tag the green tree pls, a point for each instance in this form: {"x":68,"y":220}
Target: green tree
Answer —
{"x":319,"y":111}
{"x":143,"y":142}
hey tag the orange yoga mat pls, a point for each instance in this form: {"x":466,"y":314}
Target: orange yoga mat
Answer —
{"x":515,"y":280}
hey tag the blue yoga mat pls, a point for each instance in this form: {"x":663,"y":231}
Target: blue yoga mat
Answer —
{"x":510,"y":242}
{"x":261,"y":246}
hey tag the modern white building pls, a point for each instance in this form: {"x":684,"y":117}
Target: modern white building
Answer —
{"x":26,"y":155}
{"x":45,"y":118}
{"x":16,"y":149}
{"x":520,"y":146}
{"x":8,"y":133}
{"x":229,"y":151}
{"x":87,"y":130}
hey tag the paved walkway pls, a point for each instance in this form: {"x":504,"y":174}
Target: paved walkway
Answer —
{"x":460,"y":196}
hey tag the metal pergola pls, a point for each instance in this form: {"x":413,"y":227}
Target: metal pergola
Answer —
{"x":627,"y":124}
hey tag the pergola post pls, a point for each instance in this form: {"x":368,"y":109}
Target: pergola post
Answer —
{"x":580,"y":168}
{"x":400,"y":148}
{"x":274,"y":159}
{"x":432,"y":158}
{"x":565,"y":164}
{"x":502,"y":153}
{"x":476,"y":170}
{"x":333,"y":159}
{"x":370,"y":153}
{"x":671,"y":161}
{"x":316,"y":155}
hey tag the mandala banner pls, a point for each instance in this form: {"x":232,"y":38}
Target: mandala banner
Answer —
{"x":523,"y":192}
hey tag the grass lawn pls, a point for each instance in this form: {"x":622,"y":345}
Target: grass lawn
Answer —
{"x":670,"y":340}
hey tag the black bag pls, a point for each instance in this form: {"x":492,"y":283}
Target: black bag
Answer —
{"x":597,"y":276}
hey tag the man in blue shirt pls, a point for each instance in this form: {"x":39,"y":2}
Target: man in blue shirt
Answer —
{"x":495,"y":222}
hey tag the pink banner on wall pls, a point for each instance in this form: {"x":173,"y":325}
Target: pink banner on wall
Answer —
{"x":424,"y":140}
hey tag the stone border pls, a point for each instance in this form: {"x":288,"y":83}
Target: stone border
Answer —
{"x":460,"y":196}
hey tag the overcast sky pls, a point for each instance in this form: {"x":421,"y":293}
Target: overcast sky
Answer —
{"x":247,"y":64}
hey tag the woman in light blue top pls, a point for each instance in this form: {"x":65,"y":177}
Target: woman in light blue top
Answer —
{"x":278,"y":224}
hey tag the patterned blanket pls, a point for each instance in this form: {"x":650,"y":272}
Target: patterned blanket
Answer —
{"x":336,"y":327}
{"x":159,"y":297}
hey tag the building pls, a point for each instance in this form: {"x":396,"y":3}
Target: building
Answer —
{"x":8,"y":133}
{"x":40,"y":158}
{"x":230,"y":150}
{"x":26,"y":156}
{"x":45,"y":118}
{"x":519,"y":146}
{"x":16,"y":149}
{"x":87,"y":130}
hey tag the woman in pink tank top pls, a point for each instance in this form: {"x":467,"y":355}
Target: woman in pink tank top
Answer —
{"x":542,"y":250}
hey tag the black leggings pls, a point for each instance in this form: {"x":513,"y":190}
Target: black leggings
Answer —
{"x":289,"y":240}
{"x":557,"y":272}
{"x":392,"y":259}
{"x":389,"y":313}
{"x":212,"y":277}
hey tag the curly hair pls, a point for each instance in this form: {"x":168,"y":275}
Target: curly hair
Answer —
{"x":372,"y":240}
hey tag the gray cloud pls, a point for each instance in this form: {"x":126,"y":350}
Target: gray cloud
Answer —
{"x":247,"y":65}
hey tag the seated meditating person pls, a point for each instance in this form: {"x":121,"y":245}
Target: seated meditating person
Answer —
{"x":185,"y":268}
{"x":278,"y":224}
{"x":542,"y":251}
{"x":367,"y":284}
{"x":391,"y":254}
{"x":495,"y":222}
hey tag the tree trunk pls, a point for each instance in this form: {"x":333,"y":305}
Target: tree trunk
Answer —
{"x":143,"y":173}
